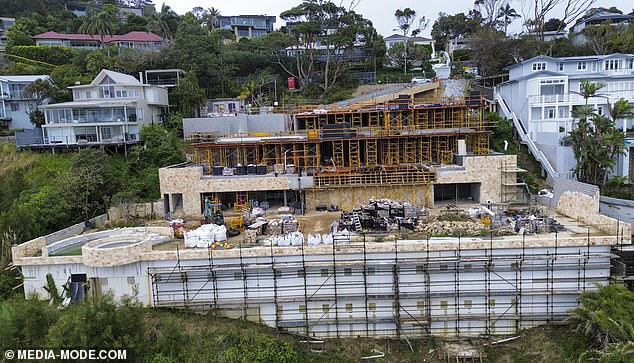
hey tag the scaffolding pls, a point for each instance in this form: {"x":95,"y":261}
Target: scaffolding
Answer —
{"x":355,"y":141}
{"x":388,"y":289}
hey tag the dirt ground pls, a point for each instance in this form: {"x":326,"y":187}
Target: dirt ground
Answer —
{"x":317,"y":222}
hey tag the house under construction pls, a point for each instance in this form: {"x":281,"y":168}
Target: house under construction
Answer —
{"x":421,"y":150}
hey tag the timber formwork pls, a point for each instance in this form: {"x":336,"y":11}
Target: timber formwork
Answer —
{"x":351,"y":146}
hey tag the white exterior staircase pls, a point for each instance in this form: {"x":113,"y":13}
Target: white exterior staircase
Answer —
{"x":526,"y":139}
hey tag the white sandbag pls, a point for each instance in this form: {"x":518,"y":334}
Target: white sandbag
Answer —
{"x":257,"y":212}
{"x":191,"y":239}
{"x":314,"y":239}
{"x":297,"y":238}
{"x":283,"y":241}
{"x":220,"y":234}
{"x":326,"y":239}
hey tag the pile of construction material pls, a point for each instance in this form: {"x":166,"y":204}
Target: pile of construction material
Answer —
{"x":383,"y":215}
{"x":289,"y":224}
{"x":435,"y":227}
{"x":205,"y":236}
{"x":250,"y":236}
{"x":274,"y":227}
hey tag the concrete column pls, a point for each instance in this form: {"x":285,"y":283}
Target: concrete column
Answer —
{"x":626,"y":163}
{"x":285,"y":199}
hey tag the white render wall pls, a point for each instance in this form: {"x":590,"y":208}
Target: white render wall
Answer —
{"x":438,"y":292}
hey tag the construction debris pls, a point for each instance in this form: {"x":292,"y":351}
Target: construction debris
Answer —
{"x":382,"y":215}
{"x":437,"y":227}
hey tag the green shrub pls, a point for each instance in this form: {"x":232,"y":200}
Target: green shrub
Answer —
{"x":53,"y":55}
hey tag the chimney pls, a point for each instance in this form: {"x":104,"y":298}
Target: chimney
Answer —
{"x":141,"y":77}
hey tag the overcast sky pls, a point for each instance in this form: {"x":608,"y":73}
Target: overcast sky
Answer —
{"x":380,"y":12}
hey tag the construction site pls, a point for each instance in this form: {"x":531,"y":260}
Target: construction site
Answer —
{"x":391,"y":218}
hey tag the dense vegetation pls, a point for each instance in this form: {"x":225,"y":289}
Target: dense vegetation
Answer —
{"x":42,"y":193}
{"x":601,"y":330}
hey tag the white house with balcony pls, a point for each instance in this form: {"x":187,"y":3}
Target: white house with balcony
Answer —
{"x":542,"y":92}
{"x":15,"y":104}
{"x":109,"y":110}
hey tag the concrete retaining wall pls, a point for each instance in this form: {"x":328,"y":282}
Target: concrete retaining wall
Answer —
{"x":621,"y":209}
{"x":149,"y":210}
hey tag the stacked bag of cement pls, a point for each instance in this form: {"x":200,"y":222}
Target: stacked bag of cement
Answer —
{"x":205,"y":236}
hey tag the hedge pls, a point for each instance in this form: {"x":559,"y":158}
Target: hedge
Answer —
{"x":54,"y":55}
{"x":461,"y":54}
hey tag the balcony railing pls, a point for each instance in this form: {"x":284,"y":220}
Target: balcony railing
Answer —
{"x":574,"y":98}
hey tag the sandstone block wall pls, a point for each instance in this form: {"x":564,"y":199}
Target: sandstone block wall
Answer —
{"x":585,"y":208}
{"x":486,"y":170}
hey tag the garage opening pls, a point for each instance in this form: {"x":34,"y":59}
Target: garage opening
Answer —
{"x":457,"y":192}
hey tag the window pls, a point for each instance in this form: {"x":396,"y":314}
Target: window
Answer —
{"x":468,"y":304}
{"x":349,"y":308}
{"x":630,"y":63}
{"x":561,"y":67}
{"x":594,"y":66}
{"x":582,"y":66}
{"x":76,"y":95}
{"x":324,"y":272}
{"x":88,"y":94}
{"x":540,"y":66}
{"x":600,"y":110}
{"x":613,"y":64}
{"x":106,"y":92}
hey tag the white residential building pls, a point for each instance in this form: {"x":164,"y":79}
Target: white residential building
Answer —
{"x":15,"y":105}
{"x":109,"y":110}
{"x":542,"y":92}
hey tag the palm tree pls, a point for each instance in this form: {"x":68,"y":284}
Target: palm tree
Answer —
{"x":210,"y":18}
{"x":164,"y":23}
{"x":101,"y":23}
{"x":508,"y":14}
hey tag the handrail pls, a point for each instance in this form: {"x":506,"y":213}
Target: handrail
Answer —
{"x":525,"y":137}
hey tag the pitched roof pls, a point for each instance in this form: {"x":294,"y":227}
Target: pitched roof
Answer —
{"x":415,"y":39}
{"x":128,"y":37}
{"x":29,"y":78}
{"x":138,"y":37}
{"x":606,"y":15}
